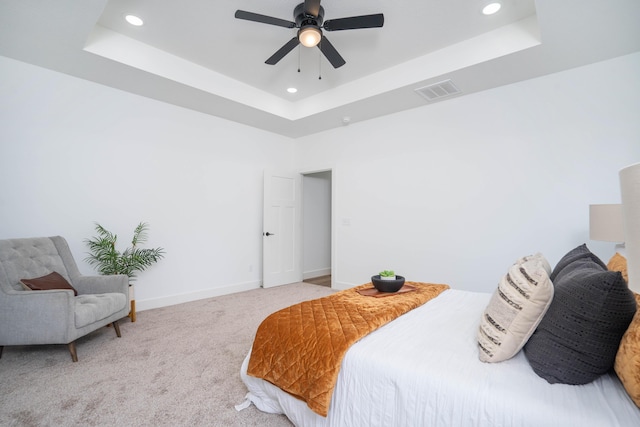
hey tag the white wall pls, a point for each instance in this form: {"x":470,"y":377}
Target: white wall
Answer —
{"x":456,"y":191}
{"x":316,"y":208}
{"x":73,"y":152}
{"x":452,"y":192}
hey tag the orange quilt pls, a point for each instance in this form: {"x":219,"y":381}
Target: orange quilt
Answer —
{"x":300,"y":348}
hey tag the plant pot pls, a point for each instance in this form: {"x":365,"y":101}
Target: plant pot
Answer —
{"x":387,"y":285}
{"x":387,"y":277}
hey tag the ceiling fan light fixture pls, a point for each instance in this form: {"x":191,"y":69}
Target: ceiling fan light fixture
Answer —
{"x":309,"y":36}
{"x":309,"y":19}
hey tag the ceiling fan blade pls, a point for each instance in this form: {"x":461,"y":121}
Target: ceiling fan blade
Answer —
{"x":264,"y":19}
{"x":282,"y":52}
{"x":331,"y":53}
{"x":354,"y":22}
{"x":312,"y":7}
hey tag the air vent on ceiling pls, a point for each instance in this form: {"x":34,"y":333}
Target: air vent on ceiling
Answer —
{"x":438,"y":90}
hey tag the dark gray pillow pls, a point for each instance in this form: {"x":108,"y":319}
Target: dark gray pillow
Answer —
{"x":581,"y":252}
{"x":578,"y":338}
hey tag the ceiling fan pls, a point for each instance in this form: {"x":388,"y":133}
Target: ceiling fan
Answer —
{"x":309,"y":18}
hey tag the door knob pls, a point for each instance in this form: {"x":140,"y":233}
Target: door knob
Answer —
{"x":269,"y":234}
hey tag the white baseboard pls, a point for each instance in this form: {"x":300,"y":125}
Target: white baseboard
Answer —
{"x":316,"y":273}
{"x":149,"y":304}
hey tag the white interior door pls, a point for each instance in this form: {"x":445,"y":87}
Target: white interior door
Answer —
{"x":282,"y":229}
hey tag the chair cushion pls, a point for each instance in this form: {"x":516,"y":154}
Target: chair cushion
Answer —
{"x":50,"y":281}
{"x":93,"y":307}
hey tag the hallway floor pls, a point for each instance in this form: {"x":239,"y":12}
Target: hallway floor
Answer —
{"x":320,"y":280}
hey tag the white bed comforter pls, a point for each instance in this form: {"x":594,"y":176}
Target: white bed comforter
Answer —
{"x":423,"y":370}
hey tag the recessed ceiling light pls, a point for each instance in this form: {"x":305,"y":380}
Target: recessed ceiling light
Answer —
{"x":292,"y":90}
{"x":134,"y":20}
{"x":491,"y":8}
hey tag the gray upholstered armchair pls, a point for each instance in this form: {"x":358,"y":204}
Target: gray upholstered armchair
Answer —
{"x":54,"y":316}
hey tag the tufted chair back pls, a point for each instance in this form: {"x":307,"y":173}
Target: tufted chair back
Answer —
{"x":33,"y":257}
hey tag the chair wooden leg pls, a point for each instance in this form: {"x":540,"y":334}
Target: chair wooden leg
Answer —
{"x":132,"y":313}
{"x":1,"y":348}
{"x":116,"y":327}
{"x":72,"y":350}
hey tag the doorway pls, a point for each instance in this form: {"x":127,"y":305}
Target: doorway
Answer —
{"x":316,"y":228}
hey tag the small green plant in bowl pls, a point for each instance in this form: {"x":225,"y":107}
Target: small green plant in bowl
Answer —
{"x":388,"y":275}
{"x":387,"y":281}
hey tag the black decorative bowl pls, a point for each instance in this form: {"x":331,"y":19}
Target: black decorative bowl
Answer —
{"x":387,"y":285}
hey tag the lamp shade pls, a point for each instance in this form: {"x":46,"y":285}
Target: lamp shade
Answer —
{"x":630,"y":194}
{"x":605,"y":223}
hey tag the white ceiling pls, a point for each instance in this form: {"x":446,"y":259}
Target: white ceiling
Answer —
{"x":197,"y":55}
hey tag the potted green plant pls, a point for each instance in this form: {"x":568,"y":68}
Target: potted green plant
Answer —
{"x":387,"y":281}
{"x":107,"y":259}
{"x":387,"y":275}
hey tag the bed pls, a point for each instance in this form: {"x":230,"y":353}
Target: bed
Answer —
{"x":425,"y":367}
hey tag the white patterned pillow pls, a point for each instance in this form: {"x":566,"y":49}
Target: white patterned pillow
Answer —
{"x":539,"y":257}
{"x":515,"y":309}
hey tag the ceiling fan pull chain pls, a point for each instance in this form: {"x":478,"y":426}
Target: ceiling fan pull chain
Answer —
{"x":298,"y":58}
{"x":319,"y":64}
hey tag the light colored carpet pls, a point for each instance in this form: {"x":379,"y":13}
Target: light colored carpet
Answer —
{"x":175,"y":366}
